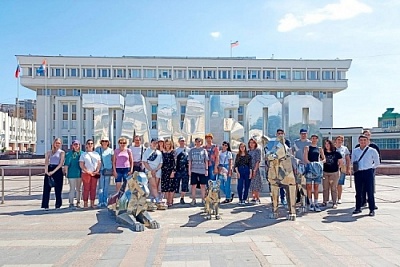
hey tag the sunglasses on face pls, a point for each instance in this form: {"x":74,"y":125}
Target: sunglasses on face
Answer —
{"x":122,"y":143}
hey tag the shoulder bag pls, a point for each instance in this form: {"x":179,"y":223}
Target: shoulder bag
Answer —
{"x":356,"y":163}
{"x":104,"y":171}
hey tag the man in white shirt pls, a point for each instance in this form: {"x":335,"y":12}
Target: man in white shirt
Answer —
{"x":368,"y":160}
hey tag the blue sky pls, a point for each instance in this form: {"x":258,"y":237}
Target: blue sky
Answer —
{"x":367,"y":31}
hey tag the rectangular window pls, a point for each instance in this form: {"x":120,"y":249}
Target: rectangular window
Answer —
{"x":57,"y":72}
{"x":151,"y":93}
{"x":241,"y":110}
{"x":183,"y":109}
{"x":119,"y":73}
{"x":92,"y":91}
{"x":313,"y":75}
{"x":224,"y":74}
{"x":284,"y":75}
{"x":280,"y":95}
{"x":180,"y":93}
{"x":76,"y":92}
{"x":153,"y":109}
{"x":73,"y":72}
{"x":341,"y":75}
{"x":164,"y":73}
{"x":149,"y":73}
{"x":239,"y":74}
{"x":299,"y":75}
{"x":29,"y":72}
{"x":268,"y":74}
{"x":209,"y":74}
{"x":179,"y":74}
{"x":194,"y":74}
{"x":328,"y":75}
{"x":153,"y":124}
{"x":61,"y":92}
{"x":135,"y":73}
{"x":253,"y":74}
{"x":88,"y":72}
{"x":104,"y":73}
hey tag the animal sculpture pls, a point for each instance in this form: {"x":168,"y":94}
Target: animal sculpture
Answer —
{"x":130,"y":206}
{"x":212,"y":199}
{"x":280,"y":173}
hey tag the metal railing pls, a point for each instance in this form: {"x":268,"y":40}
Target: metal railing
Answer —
{"x":29,"y":168}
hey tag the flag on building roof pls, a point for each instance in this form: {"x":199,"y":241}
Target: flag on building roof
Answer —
{"x":235,"y":44}
{"x":17,"y":71}
{"x":42,"y":68}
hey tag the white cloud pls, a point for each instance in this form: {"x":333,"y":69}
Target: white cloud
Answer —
{"x":215,"y":35}
{"x":345,"y":9}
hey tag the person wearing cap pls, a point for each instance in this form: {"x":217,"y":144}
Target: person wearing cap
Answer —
{"x":106,"y":155}
{"x":198,"y":169}
{"x":161,"y":144}
{"x":213,"y":155}
{"x":313,"y":157}
{"x":182,"y":168}
{"x":152,"y":161}
{"x":73,"y":173}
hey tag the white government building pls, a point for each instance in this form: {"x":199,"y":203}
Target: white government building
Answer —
{"x":294,"y":91}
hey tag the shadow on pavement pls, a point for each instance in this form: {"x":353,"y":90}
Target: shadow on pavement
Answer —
{"x":106,"y":224}
{"x":259,"y":219}
{"x":343,"y":215}
{"x":43,"y":212}
{"x":195,"y":219}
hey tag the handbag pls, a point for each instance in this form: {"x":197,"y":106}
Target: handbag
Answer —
{"x":356,"y":165}
{"x":104,"y":171}
{"x":51,"y":181}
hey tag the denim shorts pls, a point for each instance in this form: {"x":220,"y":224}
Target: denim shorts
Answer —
{"x":342,"y":178}
{"x":314,"y":180}
{"x":122,"y":173}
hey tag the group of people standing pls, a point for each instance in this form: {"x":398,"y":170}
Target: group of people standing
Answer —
{"x":170,"y":170}
{"x":331,"y":163}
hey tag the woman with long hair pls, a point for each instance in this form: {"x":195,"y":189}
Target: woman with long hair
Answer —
{"x":73,"y":173}
{"x":90,"y":164}
{"x":333,"y":159}
{"x":225,"y":170}
{"x":243,"y":170}
{"x":168,"y":181}
{"x":255,"y":175}
{"x":53,"y":163}
{"x":313,"y":155}
{"x":122,"y":162}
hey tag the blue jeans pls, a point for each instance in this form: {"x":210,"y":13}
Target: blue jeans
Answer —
{"x":104,"y":183}
{"x":226,"y":184}
{"x":243,"y":182}
{"x":282,"y":193}
{"x":211,"y":175}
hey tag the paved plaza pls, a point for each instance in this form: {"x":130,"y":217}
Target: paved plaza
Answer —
{"x":244,"y":237}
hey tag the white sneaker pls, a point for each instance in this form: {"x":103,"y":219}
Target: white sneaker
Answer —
{"x":334,"y":206}
{"x":339,"y":201}
{"x":311,"y":207}
{"x":317,"y":208}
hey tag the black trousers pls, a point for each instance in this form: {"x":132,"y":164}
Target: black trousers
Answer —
{"x":364,"y":180}
{"x":364,"y":193}
{"x":58,"y":179}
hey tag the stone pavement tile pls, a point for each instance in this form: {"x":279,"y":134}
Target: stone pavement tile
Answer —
{"x":260,"y":238}
{"x":174,"y":264}
{"x":334,"y":236}
{"x":378,"y":261}
{"x":206,"y":239}
{"x":221,"y":239}
{"x":28,"y":265}
{"x":182,"y":240}
{"x":107,"y":262}
{"x":30,"y":255}
{"x":241,"y":239}
{"x":279,"y":259}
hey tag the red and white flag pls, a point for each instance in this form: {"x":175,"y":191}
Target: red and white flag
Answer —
{"x":234,"y":44}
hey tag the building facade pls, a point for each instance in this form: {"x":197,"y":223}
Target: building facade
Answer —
{"x":273,"y":88}
{"x":17,"y":134}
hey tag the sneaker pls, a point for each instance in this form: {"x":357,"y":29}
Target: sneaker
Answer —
{"x":46,"y":209}
{"x":283,"y":202}
{"x":241,"y":202}
{"x":71,"y":206}
{"x":182,"y":201}
{"x":311,"y":207}
{"x":258,"y":202}
{"x":231,"y":199}
{"x":334,"y":206}
{"x":317,"y":208}
{"x":339,"y":201}
{"x":253,"y":200}
{"x":193,"y":202}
